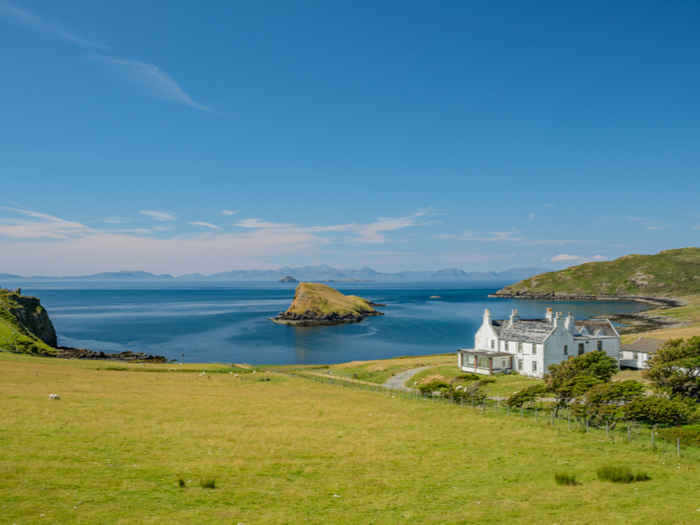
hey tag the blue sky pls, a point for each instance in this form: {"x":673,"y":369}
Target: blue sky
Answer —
{"x":185,"y":138}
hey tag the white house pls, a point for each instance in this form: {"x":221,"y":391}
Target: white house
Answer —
{"x":529,"y":346}
{"x":637,"y":353}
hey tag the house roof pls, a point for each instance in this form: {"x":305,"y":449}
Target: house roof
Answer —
{"x":484,"y":353}
{"x":646,"y":345}
{"x":537,"y":330}
{"x":525,"y":330}
{"x":597,"y":327}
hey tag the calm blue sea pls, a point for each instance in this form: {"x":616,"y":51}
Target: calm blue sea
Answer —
{"x":229,"y":323}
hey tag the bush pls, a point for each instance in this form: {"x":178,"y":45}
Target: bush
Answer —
{"x":657,"y":410}
{"x":486,"y":380}
{"x":468,"y":394}
{"x":208,"y":483}
{"x":689,"y":434}
{"x":620,"y":474}
{"x":675,"y":368}
{"x":437,"y":385}
{"x":181,"y":483}
{"x":467,"y":377}
{"x":564,"y":478}
{"x":525,"y":396}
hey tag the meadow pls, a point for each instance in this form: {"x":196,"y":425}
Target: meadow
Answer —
{"x":122,"y":439}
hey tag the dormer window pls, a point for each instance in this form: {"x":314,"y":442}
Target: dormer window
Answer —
{"x":566,"y":349}
{"x":520,"y":348}
{"x":599,"y":345}
{"x":493,"y":344}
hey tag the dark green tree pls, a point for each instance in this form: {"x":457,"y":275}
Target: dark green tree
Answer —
{"x":675,"y":368}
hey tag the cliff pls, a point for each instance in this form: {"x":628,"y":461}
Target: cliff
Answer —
{"x":319,"y":304}
{"x":24,"y":325}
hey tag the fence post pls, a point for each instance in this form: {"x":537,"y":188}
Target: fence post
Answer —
{"x":652,"y":437}
{"x":607,"y":430}
{"x":629,"y":432}
{"x":586,"y":424}
{"x":568,"y":420}
{"x":678,"y":447}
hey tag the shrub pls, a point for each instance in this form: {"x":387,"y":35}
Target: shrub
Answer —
{"x":486,"y":380}
{"x":564,"y":478}
{"x":689,"y":434}
{"x":208,"y":483}
{"x":436,"y":385}
{"x":181,"y":483}
{"x":525,"y":396}
{"x":468,"y":394}
{"x":467,"y":377}
{"x":620,"y":474}
{"x":657,"y":410}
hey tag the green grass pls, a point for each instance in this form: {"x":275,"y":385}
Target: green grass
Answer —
{"x":292,"y":450}
{"x":621,"y":474}
{"x":380,"y":370}
{"x":565,"y":478}
{"x":667,"y":273}
{"x":503,"y":386}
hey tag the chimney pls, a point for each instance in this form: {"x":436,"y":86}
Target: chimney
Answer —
{"x":556,"y":320}
{"x":487,"y":316}
{"x":548,"y":314}
{"x":513,"y":316}
{"x":570,"y":323}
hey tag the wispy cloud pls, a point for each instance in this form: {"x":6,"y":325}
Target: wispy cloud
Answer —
{"x":511,"y":236}
{"x":371,"y":233}
{"x":565,"y":257}
{"x":531,"y":216}
{"x":153,"y":80}
{"x":44,"y":26}
{"x":205,"y":225}
{"x":28,"y":224}
{"x":650,"y":224}
{"x":149,"y":77}
{"x":229,"y":212}
{"x":158,"y":215}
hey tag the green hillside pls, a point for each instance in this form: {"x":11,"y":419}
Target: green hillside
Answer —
{"x":24,"y":325}
{"x":666,"y":274}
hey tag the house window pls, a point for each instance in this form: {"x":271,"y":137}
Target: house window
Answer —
{"x":493,"y":344}
{"x":534,"y":366}
{"x":580,"y":349}
{"x":520,"y":364}
{"x":520,"y":348}
{"x":566,"y":349}
{"x":599,"y":345}
{"x":534,"y":349}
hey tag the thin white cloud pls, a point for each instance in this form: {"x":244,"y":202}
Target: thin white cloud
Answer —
{"x":565,"y":257}
{"x":153,"y":80}
{"x":655,"y":228}
{"x":205,"y":225}
{"x":229,"y":212}
{"x":512,"y":236}
{"x":28,"y":224}
{"x":531,"y":216}
{"x":158,"y":215}
{"x":44,"y":26}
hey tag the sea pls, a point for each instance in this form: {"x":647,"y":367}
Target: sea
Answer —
{"x":230,"y":322}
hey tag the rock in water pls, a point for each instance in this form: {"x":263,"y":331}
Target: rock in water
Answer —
{"x":319,"y":304}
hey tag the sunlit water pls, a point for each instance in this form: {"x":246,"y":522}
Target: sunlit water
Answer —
{"x":231,"y":323}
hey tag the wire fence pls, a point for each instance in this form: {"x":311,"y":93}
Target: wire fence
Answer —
{"x":623,"y":432}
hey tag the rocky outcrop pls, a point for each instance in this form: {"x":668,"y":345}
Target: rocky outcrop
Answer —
{"x":82,"y":353}
{"x":33,"y":317}
{"x":318,"y":304}
{"x":288,"y":279}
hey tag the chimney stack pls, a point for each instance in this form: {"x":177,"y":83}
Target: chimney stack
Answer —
{"x":487,"y":316}
{"x":570,"y":323}
{"x":513,"y":316}
{"x":548,"y":314}
{"x":556,"y":320}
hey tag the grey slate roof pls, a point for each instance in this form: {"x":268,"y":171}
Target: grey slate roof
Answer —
{"x":525,"y":330}
{"x":645,"y":345}
{"x":597,"y":327}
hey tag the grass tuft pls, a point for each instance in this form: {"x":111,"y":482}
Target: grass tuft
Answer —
{"x":181,"y":483}
{"x":564,"y":478}
{"x":208,"y":483}
{"x":620,"y":474}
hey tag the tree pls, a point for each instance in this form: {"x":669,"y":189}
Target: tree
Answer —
{"x":576,"y":376}
{"x":526,"y":396}
{"x":606,"y":402}
{"x":675,"y":368}
{"x":657,"y":410}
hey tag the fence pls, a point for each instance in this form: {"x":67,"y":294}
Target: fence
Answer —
{"x":626,"y":432}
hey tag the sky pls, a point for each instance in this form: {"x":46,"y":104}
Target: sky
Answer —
{"x":179,"y":137}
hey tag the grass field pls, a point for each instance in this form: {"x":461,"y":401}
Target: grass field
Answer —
{"x":283,"y":449}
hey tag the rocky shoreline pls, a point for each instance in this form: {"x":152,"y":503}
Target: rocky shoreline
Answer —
{"x":310,"y":318}
{"x":629,"y":323}
{"x":66,"y":352}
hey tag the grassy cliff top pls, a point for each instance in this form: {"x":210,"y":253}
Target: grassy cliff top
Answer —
{"x":14,"y":336}
{"x":666,"y":274}
{"x":323,"y":300}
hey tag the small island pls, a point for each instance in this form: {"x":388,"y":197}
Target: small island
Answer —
{"x":288,"y":279}
{"x":317,"y":304}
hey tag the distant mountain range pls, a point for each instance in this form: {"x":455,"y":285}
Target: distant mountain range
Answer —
{"x":303,"y":273}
